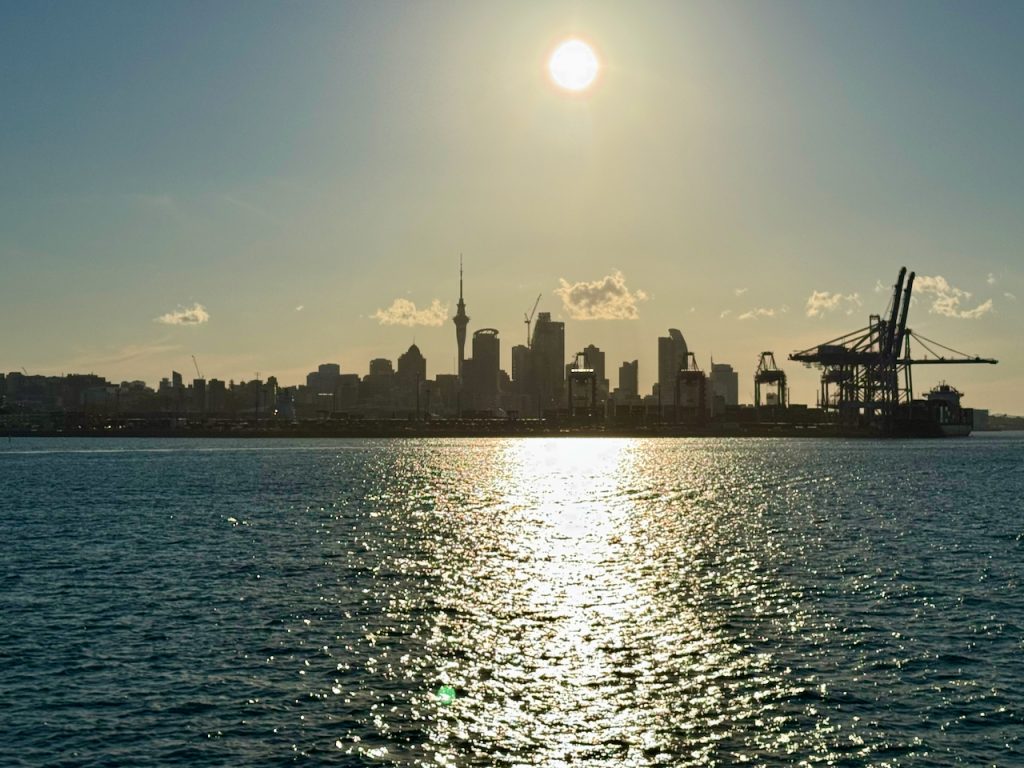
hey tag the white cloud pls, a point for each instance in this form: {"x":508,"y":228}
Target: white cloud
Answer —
{"x":821,"y":302}
{"x":946,"y":299}
{"x":300,"y":307}
{"x":194,"y":315}
{"x":404,"y":312}
{"x":1010,"y":296}
{"x":725,"y":313}
{"x":991,"y":280}
{"x":758,"y":312}
{"x":740,"y":291}
{"x":607,"y":298}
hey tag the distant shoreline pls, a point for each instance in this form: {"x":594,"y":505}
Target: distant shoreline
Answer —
{"x":499,"y":429}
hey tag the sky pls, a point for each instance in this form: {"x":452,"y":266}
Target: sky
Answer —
{"x":271,"y":186}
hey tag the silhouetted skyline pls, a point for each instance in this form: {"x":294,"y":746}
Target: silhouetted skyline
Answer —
{"x":296,"y":183}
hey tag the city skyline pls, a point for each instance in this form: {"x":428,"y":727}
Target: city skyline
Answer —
{"x":294,"y":184}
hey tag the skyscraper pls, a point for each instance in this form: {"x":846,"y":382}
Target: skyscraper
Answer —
{"x":594,"y":358}
{"x":410,"y":377}
{"x":548,"y":358}
{"x":672,"y":358}
{"x":481,"y":382}
{"x":629,"y":379}
{"x":725,"y":383}
{"x":461,"y":320}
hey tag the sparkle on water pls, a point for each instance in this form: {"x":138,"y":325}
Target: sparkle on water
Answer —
{"x":601,"y":602}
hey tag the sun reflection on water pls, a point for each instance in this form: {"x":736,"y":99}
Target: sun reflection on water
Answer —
{"x":587,"y":610}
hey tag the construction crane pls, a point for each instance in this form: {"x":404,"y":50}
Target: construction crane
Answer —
{"x":768,"y":372}
{"x":529,"y":318}
{"x":866,"y":374}
{"x":198,"y":374}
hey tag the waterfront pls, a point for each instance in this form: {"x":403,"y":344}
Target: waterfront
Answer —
{"x":610,"y":601}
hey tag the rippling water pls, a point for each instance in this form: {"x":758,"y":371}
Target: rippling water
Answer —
{"x":589,"y":601}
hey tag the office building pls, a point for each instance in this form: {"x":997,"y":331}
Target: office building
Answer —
{"x":480,"y":381}
{"x":672,"y":358}
{"x":629,"y":379}
{"x":548,"y":363}
{"x":725,"y":384}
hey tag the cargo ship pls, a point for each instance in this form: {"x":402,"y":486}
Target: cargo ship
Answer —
{"x":939,"y":414}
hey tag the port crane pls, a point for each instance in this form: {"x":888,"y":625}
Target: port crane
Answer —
{"x":528,"y":319}
{"x":198,"y":374}
{"x":768,"y":372}
{"x":867,"y":373}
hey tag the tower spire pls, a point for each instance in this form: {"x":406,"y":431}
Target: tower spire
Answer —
{"x":461,"y":320}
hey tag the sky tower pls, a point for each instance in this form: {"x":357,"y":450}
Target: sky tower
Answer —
{"x":461,"y":320}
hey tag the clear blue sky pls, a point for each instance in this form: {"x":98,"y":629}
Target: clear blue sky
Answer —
{"x":732,"y":160}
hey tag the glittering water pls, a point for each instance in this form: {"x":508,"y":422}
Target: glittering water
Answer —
{"x":512,"y":602}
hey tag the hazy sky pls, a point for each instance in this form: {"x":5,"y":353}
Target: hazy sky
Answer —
{"x":294,"y":168}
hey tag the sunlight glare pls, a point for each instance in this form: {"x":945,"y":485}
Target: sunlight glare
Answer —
{"x":573,"y":65}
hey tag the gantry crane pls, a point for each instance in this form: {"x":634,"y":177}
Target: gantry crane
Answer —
{"x":867,"y":374}
{"x":768,"y":372}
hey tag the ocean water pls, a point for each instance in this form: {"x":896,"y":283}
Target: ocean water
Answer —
{"x":522,"y":602}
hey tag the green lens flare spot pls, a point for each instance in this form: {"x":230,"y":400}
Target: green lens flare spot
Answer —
{"x":445,"y":695}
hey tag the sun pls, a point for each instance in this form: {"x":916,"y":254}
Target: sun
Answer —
{"x":573,"y":65}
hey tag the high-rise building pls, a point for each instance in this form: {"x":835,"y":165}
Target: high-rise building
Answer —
{"x":412,"y":366}
{"x":594,"y":358}
{"x":381,"y":366}
{"x":672,"y":358}
{"x":461,"y":320}
{"x":412,"y":372}
{"x":520,"y":365}
{"x":329,"y":371}
{"x":725,"y":384}
{"x":629,"y":379}
{"x":481,"y":382}
{"x":376,"y":391}
{"x":216,"y":396}
{"x":324,"y":380}
{"x":548,"y":362}
{"x":199,"y":395}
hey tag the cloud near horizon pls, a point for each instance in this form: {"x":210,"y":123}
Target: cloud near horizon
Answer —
{"x":404,"y":312}
{"x":756,"y":313}
{"x":946,"y":298}
{"x":607,"y":298}
{"x":194,"y":315}
{"x":821,"y":302}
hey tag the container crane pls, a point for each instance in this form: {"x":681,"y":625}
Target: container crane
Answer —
{"x":866,"y":374}
{"x":768,"y":372}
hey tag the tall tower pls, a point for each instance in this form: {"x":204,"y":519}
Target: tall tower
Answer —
{"x":461,"y":320}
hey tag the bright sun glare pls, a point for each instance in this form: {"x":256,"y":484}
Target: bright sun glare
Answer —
{"x":573,"y":65}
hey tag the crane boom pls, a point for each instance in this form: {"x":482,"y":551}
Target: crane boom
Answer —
{"x":198,"y":374}
{"x":890,"y":329}
{"x":529,"y":318}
